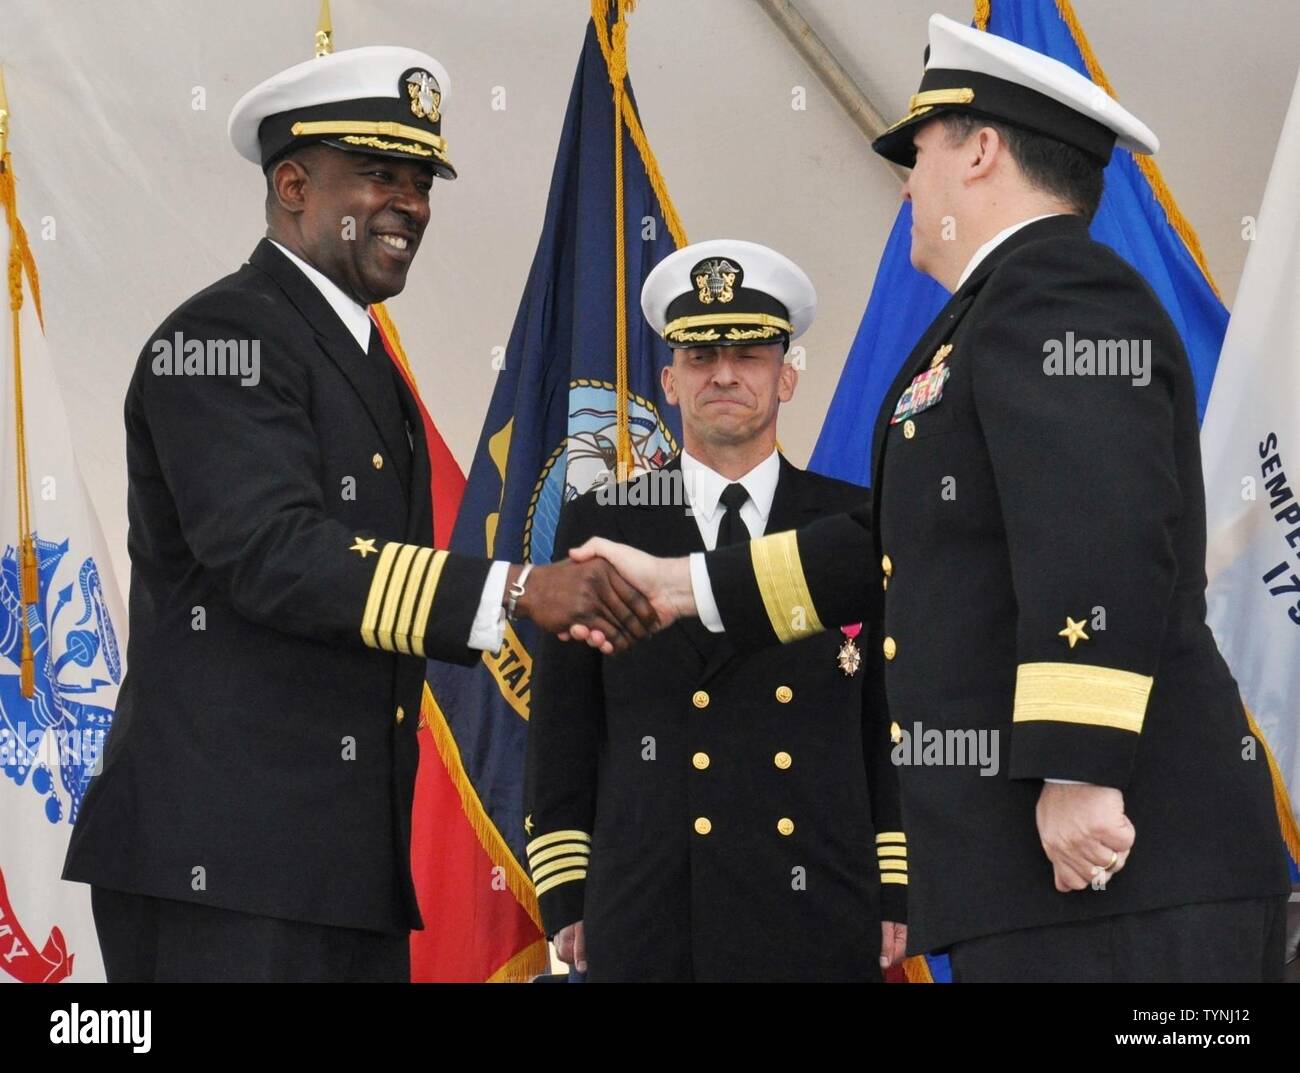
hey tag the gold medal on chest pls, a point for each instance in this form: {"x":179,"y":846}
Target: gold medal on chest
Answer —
{"x":849,"y":657}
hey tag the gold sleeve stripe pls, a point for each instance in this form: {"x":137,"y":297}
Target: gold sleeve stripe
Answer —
{"x":401,"y":597}
{"x":559,"y":878}
{"x":425,"y":605}
{"x":891,"y":836}
{"x":378,"y":583}
{"x":893,"y":866}
{"x":1083,"y":695}
{"x":559,"y":865}
{"x":396,"y":586}
{"x":558,"y":850}
{"x":406,"y":612}
{"x":891,"y":851}
{"x":886,"y":877}
{"x":552,"y":837}
{"x":781,"y":583}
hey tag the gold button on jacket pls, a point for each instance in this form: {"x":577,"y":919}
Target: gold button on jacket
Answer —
{"x":703,"y":826}
{"x":784,"y":694}
{"x":782,"y":760}
{"x":891,"y":648}
{"x":401,"y":714}
{"x":785,"y":825}
{"x":701,"y":760}
{"x":700,"y":699}
{"x":377,"y":461}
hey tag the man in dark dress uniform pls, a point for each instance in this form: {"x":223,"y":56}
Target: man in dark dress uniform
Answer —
{"x":1037,"y":528}
{"x":252,"y":820}
{"x":695,"y":813}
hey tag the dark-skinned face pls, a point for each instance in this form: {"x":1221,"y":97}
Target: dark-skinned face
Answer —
{"x":357,"y":218}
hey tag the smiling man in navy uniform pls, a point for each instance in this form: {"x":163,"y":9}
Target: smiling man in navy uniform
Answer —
{"x":252,"y":820}
{"x":1037,"y":528}
{"x":694,"y":813}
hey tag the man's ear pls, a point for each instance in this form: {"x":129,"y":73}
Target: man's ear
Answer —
{"x":786,"y":384}
{"x":289,"y":181}
{"x":669,"y":383}
{"x":987,"y":148}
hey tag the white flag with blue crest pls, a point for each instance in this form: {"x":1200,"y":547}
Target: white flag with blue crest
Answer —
{"x":50,"y":742}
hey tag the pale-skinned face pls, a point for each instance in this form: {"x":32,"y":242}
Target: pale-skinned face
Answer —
{"x":934,"y":188}
{"x":729,"y":395}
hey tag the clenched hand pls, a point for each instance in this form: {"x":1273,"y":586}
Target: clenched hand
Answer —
{"x":590,"y":596}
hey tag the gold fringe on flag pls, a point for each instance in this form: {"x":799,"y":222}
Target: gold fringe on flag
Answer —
{"x":20,"y":260}
{"x":614,"y":48}
{"x":917,"y":970}
{"x":1281,"y":799}
{"x":1145,"y":162}
{"x":533,"y":958}
{"x":519,"y":882}
{"x":526,"y":964}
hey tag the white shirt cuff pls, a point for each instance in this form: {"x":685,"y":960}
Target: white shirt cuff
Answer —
{"x":1066,"y":782}
{"x":706,"y":607}
{"x":489,"y":628}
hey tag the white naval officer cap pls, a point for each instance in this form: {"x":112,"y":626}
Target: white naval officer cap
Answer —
{"x":381,"y":99}
{"x":727,"y":292}
{"x":971,"y":71}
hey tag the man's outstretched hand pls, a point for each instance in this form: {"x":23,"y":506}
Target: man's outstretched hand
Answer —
{"x":666,"y":583}
{"x":590,"y":596}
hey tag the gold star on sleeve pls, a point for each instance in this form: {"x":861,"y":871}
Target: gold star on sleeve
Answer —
{"x":1073,"y":631}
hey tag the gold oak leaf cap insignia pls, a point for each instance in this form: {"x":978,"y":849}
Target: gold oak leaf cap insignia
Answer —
{"x":364,"y":547}
{"x":1073,"y":631}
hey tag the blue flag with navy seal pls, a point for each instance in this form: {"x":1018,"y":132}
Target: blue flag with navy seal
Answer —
{"x":573,"y":387}
{"x":1137,"y":217}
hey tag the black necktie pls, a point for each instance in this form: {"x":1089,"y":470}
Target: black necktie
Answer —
{"x":733,"y":529}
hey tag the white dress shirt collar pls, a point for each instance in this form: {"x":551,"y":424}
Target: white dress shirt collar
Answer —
{"x":994,"y":243}
{"x":355,"y":317}
{"x":704,"y":486}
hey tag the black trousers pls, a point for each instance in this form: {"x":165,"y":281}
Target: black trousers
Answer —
{"x":160,"y":940}
{"x":1213,"y":942}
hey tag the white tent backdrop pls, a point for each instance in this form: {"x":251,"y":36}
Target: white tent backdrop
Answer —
{"x":134,"y":198}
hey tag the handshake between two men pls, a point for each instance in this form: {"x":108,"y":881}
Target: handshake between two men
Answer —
{"x":611,"y":595}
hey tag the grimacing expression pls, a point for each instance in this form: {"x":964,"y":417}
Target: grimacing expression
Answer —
{"x":728,"y":394}
{"x":363,"y":218}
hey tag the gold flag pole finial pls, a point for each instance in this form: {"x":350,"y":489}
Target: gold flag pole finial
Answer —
{"x":324,"y":31}
{"x":4,"y":117}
